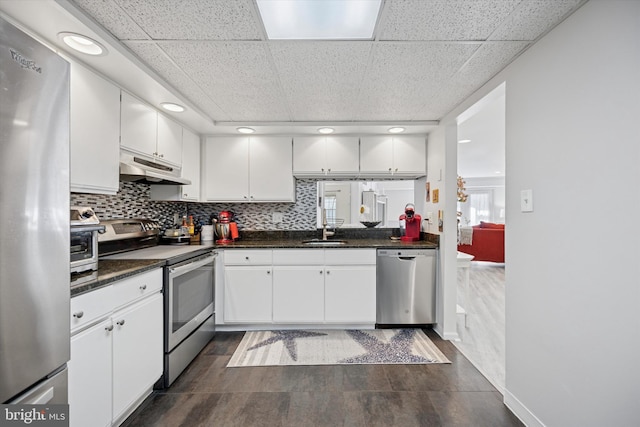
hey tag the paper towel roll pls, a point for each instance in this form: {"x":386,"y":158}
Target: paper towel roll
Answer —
{"x":207,"y":233}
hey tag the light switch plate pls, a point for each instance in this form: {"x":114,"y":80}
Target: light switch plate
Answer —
{"x":526,"y":200}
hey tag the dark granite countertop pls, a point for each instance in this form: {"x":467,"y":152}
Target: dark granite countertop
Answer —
{"x":353,"y":238}
{"x":110,"y":271}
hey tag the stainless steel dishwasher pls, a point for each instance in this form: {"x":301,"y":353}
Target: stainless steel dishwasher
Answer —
{"x":406,"y":286}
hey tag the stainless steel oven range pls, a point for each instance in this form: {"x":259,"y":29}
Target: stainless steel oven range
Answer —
{"x":189,"y":318}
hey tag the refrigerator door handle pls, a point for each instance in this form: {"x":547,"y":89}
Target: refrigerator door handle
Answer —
{"x":44,"y":398}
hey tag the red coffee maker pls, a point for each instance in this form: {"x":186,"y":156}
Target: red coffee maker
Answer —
{"x":412,"y":223}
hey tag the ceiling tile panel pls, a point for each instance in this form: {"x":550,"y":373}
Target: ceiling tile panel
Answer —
{"x":158,"y":60}
{"x":443,"y":19}
{"x":195,"y":19}
{"x":237,"y":76}
{"x":321,"y":80}
{"x":402,"y":75}
{"x":533,"y":18}
{"x":112,"y":18}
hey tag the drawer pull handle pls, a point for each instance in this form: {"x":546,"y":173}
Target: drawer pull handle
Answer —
{"x":320,"y":271}
{"x":120,"y":322}
{"x":328,"y":272}
{"x":109,"y":328}
{"x":268,"y":271}
{"x":143,"y":287}
{"x":247,"y":258}
{"x":78,"y":315}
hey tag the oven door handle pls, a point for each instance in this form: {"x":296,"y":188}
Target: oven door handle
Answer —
{"x":186,"y":268}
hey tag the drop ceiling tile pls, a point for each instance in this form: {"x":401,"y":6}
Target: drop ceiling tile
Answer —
{"x":321,"y":79}
{"x":443,"y":19}
{"x":237,"y":76}
{"x":403,"y":75}
{"x":159,"y":61}
{"x":195,"y":19}
{"x":533,"y":18}
{"x":112,"y":18}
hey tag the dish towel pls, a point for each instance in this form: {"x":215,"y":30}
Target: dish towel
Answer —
{"x":466,"y":235}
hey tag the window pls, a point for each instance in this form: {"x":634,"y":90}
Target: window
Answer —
{"x":478,"y":207}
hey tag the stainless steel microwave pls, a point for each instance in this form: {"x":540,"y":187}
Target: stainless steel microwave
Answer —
{"x":84,"y":247}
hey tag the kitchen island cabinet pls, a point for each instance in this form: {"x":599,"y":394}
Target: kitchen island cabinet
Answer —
{"x":393,"y":156}
{"x":94,"y":133}
{"x":116,"y":349}
{"x":248,"y":169}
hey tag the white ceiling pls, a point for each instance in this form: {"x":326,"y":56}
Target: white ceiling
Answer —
{"x":425,"y":58}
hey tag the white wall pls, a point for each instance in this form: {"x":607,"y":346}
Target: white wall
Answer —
{"x":572,"y":265}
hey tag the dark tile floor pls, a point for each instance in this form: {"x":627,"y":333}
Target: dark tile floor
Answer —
{"x":209,"y":394}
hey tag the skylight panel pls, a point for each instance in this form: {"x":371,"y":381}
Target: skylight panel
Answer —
{"x":319,"y":19}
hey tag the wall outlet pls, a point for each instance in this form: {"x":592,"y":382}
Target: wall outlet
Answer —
{"x":277,"y":217}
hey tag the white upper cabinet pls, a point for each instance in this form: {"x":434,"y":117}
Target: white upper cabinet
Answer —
{"x":95,"y":133}
{"x":146,"y":132}
{"x":388,"y":156}
{"x":248,"y":169}
{"x":190,"y":171}
{"x":322,"y":156}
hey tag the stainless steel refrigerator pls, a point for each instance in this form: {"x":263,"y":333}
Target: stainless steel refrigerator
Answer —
{"x":34,"y":220}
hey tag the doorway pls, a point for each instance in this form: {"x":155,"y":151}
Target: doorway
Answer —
{"x":481,"y":287}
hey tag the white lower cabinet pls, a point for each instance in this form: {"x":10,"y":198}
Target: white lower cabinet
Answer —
{"x":90,"y":376}
{"x":350,"y":294}
{"x":298,"y":294}
{"x":300,"y":286}
{"x":247,"y":294}
{"x":137,"y":352}
{"x":116,"y":349}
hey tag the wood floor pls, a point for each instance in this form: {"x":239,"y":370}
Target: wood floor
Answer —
{"x":209,"y":394}
{"x":483,"y":336}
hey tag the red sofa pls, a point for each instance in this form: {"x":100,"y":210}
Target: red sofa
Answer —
{"x":487,"y":243}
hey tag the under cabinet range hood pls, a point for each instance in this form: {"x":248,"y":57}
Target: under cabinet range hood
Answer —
{"x":136,"y":169}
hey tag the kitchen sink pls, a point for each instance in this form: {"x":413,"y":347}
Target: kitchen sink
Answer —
{"x":317,"y":242}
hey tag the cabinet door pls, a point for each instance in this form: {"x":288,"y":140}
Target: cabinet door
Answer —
{"x":169,"y":144}
{"x":191,"y":165}
{"x":342,"y":153}
{"x":95,"y":133}
{"x":309,"y":155}
{"x":137,"y":352}
{"x":271,"y":169}
{"x":409,"y":155}
{"x":298,"y":294}
{"x":376,"y":155}
{"x":350,"y":294}
{"x":247,"y":294}
{"x":90,"y":377}
{"x":226,"y":169}
{"x":139,"y":123}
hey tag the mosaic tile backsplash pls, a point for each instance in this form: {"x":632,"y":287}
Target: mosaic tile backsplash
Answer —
{"x":132,"y":201}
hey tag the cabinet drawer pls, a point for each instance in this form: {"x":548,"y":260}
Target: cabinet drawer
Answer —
{"x":135,"y":287}
{"x":248,"y":257}
{"x":350,"y":256}
{"x":298,"y":257}
{"x":91,"y":306}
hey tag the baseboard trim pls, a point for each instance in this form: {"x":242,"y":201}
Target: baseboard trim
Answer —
{"x":449,"y":336}
{"x":521,"y":411}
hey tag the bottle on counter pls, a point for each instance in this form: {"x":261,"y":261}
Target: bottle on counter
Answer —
{"x":184,"y":228}
{"x":192,"y":226}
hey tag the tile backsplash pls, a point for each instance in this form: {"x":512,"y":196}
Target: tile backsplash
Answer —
{"x":132,"y":201}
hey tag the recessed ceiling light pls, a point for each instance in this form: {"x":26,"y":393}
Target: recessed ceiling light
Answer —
{"x":174,"y":108}
{"x":83,"y":44}
{"x":313,"y":19}
{"x":245,"y":130}
{"x":396,"y":130}
{"x":325,"y":130}
{"x":464,"y":141}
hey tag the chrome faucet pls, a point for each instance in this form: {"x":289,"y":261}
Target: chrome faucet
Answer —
{"x":325,"y":233}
